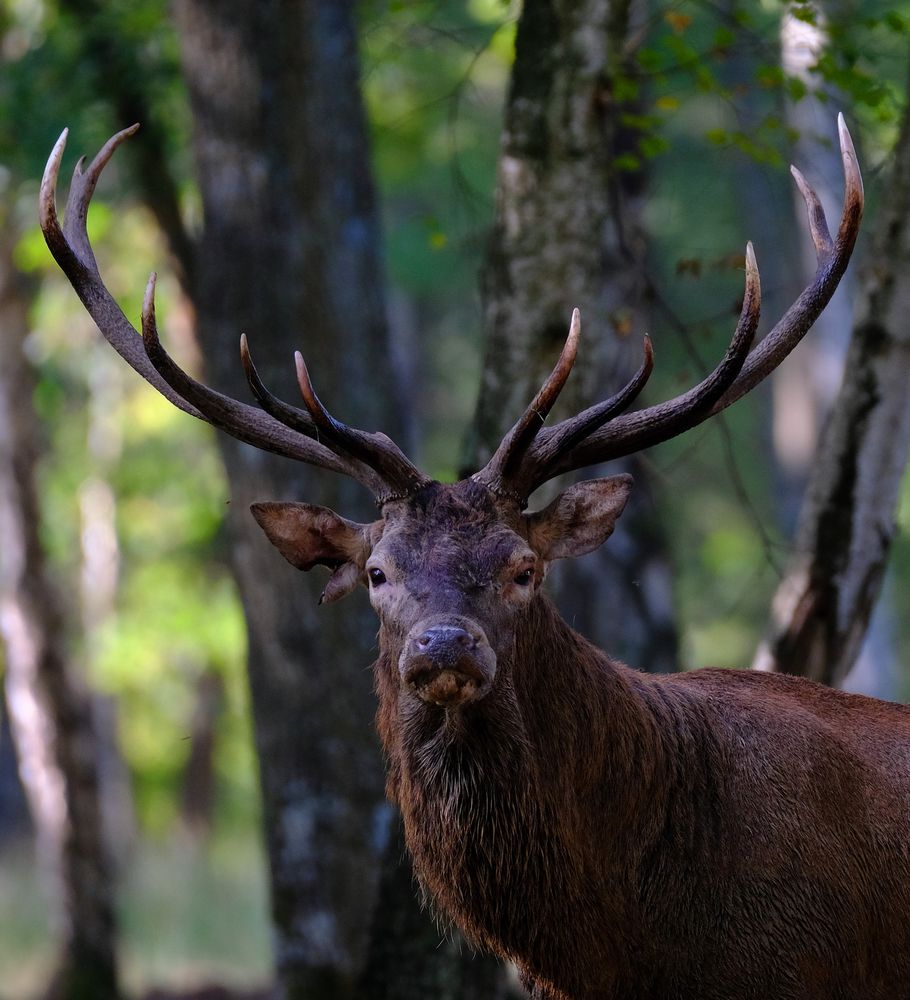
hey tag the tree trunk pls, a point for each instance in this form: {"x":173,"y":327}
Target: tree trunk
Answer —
{"x":197,"y":784}
{"x":290,"y":255}
{"x":822,"y":607}
{"x":568,"y":233}
{"x":290,"y":231}
{"x":50,"y":711}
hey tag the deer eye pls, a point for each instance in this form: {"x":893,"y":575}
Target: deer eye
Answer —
{"x":524,"y":578}
{"x":376,"y":576}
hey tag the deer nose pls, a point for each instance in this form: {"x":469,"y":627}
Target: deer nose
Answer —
{"x":444,"y":643}
{"x":447,"y":663}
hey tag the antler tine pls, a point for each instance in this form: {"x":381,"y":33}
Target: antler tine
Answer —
{"x":665,"y":420}
{"x":376,"y":450}
{"x":506,"y":460}
{"x":833,"y":257}
{"x":230,"y":415}
{"x":566,"y":434}
{"x":81,"y":190}
{"x":303,"y":421}
{"x":289,"y":415}
{"x":70,"y":246}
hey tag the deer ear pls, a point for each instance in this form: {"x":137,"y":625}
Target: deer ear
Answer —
{"x":309,"y":536}
{"x":580,"y":519}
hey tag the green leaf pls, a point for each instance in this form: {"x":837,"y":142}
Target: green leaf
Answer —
{"x":627,"y":163}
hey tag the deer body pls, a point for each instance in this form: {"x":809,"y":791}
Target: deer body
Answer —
{"x":713,"y":836}
{"x":717,"y":834}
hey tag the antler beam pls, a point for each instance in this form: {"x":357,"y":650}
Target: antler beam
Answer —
{"x":371,"y":459}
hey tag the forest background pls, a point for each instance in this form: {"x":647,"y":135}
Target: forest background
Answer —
{"x":176,"y":681}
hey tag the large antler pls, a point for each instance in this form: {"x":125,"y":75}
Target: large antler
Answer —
{"x":311,"y":436}
{"x":530,"y":454}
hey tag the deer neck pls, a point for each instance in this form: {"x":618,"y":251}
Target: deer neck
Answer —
{"x":499,"y":799}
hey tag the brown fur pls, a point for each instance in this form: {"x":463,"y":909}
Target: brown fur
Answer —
{"x":718,"y":834}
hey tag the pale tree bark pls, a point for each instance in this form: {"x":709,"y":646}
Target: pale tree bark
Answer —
{"x":49,"y":708}
{"x":568,"y":233}
{"x":805,"y":388}
{"x":823,"y":605}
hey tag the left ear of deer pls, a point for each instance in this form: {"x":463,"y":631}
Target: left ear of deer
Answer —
{"x":308,"y":535}
{"x":580,"y":519}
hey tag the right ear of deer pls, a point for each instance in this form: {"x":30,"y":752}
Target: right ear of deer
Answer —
{"x":70,"y":246}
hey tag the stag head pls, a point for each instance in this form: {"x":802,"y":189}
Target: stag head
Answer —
{"x":450,"y":569}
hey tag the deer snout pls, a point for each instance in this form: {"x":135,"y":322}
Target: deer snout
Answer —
{"x":447,"y":664}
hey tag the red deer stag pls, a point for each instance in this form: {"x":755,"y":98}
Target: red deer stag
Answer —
{"x":716,"y":835}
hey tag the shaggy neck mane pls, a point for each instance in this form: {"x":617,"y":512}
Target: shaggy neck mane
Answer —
{"x":496,"y":797}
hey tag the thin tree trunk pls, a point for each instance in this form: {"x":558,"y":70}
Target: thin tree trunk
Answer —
{"x":50,"y":710}
{"x":822,"y":607}
{"x":15,"y":822}
{"x":289,"y":232}
{"x":568,"y":233}
{"x":197,"y":783}
{"x":805,"y":387}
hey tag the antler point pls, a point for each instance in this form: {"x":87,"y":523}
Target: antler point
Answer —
{"x":574,"y":329}
{"x":47,"y":197}
{"x":751,"y":263}
{"x":852,"y":175}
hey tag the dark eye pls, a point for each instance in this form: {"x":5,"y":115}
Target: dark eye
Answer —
{"x":376,"y":576}
{"x":524,"y":578}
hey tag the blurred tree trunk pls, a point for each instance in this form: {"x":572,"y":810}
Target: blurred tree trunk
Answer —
{"x":15,"y":822}
{"x":289,"y":234}
{"x":823,"y":605}
{"x":568,"y":233}
{"x":50,"y":711}
{"x":197,"y":784}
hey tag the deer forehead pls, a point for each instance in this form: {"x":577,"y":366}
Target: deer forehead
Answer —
{"x":460,"y":531}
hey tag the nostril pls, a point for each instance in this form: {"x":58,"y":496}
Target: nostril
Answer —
{"x":441,"y":642}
